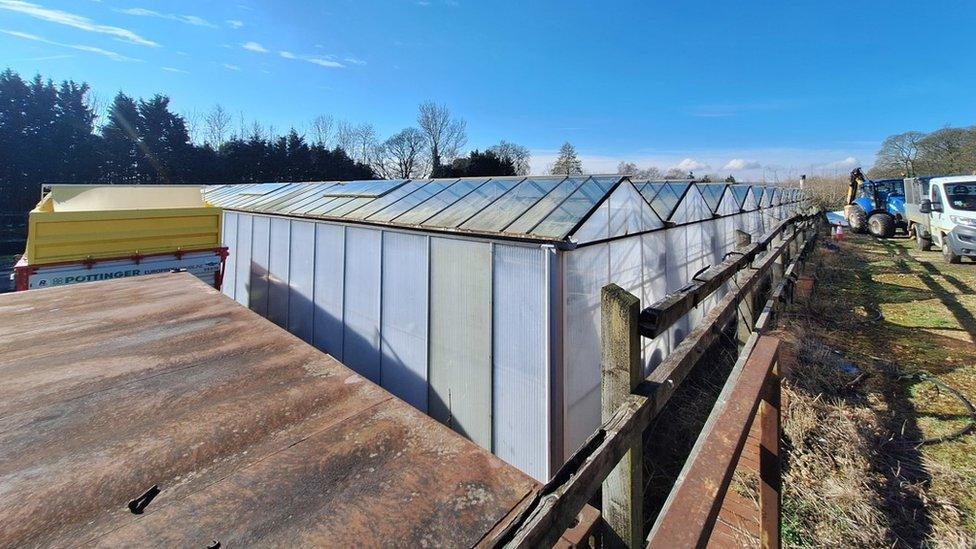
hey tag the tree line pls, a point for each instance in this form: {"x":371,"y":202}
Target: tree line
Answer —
{"x":946,"y":151}
{"x":49,"y":133}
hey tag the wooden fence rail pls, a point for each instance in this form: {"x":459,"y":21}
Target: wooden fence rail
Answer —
{"x":693,"y":506}
{"x":772,"y":260}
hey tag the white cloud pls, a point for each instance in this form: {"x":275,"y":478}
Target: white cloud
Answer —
{"x":287,"y":54}
{"x":354,"y":61}
{"x":848,"y":163}
{"x":174,"y":69}
{"x":188,"y":19}
{"x":230,"y":67}
{"x":325,"y":62}
{"x":742,"y":164}
{"x":76,"y":21}
{"x":235,"y":23}
{"x":80,"y":47}
{"x":254,"y":46}
{"x":690,"y":165}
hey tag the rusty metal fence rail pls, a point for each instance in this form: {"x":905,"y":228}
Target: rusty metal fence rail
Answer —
{"x":611,"y":457}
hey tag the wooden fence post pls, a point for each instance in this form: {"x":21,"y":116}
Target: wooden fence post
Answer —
{"x":769,"y":463}
{"x":747,"y":316}
{"x":623,"y":490}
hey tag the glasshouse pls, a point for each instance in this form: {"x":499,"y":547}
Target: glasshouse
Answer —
{"x":477,"y":300}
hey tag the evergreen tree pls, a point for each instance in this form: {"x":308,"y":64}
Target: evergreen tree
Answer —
{"x":120,"y":142}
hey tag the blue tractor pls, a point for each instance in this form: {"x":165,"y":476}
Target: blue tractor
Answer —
{"x":875,"y":206}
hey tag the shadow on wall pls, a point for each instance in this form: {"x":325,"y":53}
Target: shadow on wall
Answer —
{"x":263,"y":289}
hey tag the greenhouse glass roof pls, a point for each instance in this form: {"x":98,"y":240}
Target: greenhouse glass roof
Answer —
{"x":740,"y":192}
{"x":547,"y":208}
{"x":712,"y":192}
{"x":543,"y":208}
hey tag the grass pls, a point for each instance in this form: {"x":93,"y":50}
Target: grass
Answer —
{"x":852,"y":475}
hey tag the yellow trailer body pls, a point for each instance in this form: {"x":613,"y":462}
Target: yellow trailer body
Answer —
{"x":92,"y":222}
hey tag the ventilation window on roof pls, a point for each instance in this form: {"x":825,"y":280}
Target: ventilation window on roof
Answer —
{"x":364,"y":189}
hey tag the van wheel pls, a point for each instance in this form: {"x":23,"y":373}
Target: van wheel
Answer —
{"x":881,"y":225}
{"x":922,"y":243}
{"x":947,"y":253}
{"x":858,"y":220}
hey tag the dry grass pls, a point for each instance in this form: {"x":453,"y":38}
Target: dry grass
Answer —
{"x":850,"y":479}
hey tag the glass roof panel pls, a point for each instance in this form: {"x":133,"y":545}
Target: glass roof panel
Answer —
{"x":295,"y":201}
{"x":740,"y":192}
{"x":666,"y":200}
{"x":378,"y":204}
{"x":354,"y":204}
{"x":411,"y":200}
{"x":333,"y":203}
{"x":239,"y":196}
{"x":219,"y":190}
{"x":564,"y":218}
{"x":649,"y":189}
{"x":263,"y":188}
{"x":435,"y":204}
{"x":544,"y":206}
{"x":267,"y":201}
{"x":316,"y":202}
{"x":472,"y":203}
{"x":757,"y":193}
{"x":712,"y":192}
{"x":513,"y":204}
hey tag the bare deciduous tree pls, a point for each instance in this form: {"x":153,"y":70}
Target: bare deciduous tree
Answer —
{"x":365,"y":142}
{"x":678,"y":174}
{"x":632,"y":169}
{"x":322,"y":130}
{"x":192,"y":119}
{"x":445,"y":134}
{"x":898,"y":155}
{"x":402,"y":156}
{"x":518,"y":155}
{"x":345,"y":136}
{"x":217,"y":123}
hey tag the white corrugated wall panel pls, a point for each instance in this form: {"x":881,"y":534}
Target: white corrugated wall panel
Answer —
{"x":520,"y":350}
{"x":460,"y":337}
{"x":242,"y":267}
{"x":655,"y":287}
{"x":587,"y":272}
{"x":597,"y":227}
{"x":328,"y":286}
{"x":301,"y":272}
{"x":229,"y":236}
{"x":361,"y":303}
{"x":403,"y":330}
{"x":279,"y":254}
{"x":260,"y":247}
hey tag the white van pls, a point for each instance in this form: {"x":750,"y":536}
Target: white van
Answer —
{"x":952,"y":215}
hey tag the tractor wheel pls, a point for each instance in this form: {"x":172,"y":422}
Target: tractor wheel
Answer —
{"x":922,"y":243}
{"x":949,"y":255}
{"x":858,"y":220}
{"x":881,"y":225}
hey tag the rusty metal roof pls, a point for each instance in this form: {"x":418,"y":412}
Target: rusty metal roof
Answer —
{"x":252,"y":436}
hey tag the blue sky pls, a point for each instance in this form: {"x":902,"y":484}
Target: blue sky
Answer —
{"x":758,"y":88}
